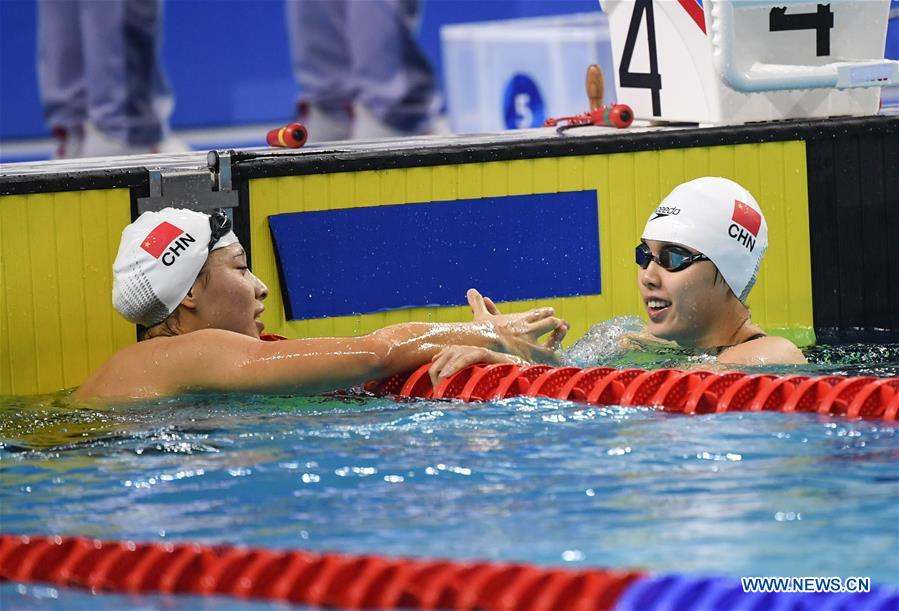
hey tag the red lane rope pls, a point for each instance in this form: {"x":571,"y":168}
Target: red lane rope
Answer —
{"x":687,"y":392}
{"x":332,"y":580}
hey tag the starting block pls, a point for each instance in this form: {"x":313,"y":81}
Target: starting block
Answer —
{"x":723,"y":61}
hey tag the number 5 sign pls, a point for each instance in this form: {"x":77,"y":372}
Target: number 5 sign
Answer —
{"x":725,"y":61}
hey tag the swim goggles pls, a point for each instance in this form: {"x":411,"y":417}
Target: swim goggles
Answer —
{"x":671,"y":258}
{"x":219,"y":224}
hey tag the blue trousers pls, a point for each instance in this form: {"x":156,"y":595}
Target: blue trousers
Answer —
{"x":362,"y":51}
{"x":98,"y":61}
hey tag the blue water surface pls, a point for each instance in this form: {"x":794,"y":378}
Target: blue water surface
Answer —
{"x":525,"y":480}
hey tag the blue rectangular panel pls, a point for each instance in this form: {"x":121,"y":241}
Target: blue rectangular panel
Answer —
{"x":364,"y":260}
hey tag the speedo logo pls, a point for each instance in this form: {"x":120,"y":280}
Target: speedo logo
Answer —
{"x":665,"y":211}
{"x":745,"y":226}
{"x":167,"y":242}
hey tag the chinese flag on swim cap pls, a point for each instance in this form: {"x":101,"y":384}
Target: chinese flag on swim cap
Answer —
{"x":158,"y":239}
{"x":747,"y":217}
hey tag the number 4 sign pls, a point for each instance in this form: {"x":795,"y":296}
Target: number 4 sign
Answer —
{"x":725,"y":61}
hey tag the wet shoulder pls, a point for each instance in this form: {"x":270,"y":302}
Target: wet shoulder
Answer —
{"x":184,"y":353}
{"x":159,"y":366}
{"x":767,"y":350}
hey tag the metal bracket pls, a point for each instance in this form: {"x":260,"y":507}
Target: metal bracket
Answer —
{"x":191,"y":188}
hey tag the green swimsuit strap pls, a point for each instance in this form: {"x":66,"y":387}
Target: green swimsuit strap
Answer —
{"x":721,"y":349}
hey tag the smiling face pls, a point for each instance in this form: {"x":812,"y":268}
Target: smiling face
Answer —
{"x":685,"y":306}
{"x":228,"y":295}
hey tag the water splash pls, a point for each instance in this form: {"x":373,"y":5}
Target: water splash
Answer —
{"x":622,"y":342}
{"x":855,"y":359}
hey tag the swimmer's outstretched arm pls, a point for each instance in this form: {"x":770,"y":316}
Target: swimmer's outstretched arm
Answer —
{"x":222,"y":361}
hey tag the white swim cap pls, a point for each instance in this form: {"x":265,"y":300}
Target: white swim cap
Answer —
{"x":160,"y":256}
{"x":720,"y":219}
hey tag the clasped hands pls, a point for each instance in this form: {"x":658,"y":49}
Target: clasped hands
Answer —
{"x":518,"y":339}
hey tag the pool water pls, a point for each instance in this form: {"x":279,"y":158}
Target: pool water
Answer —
{"x":617,"y":342}
{"x":526,"y":480}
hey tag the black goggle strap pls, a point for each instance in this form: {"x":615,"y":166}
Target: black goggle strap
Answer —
{"x":219,"y":224}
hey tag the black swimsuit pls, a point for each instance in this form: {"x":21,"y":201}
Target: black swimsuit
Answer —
{"x":721,"y":349}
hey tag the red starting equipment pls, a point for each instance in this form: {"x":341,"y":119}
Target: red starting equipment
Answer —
{"x":613,"y":115}
{"x":292,"y":136}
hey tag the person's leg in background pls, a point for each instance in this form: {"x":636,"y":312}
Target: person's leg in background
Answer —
{"x":321,"y":65}
{"x":60,"y":68}
{"x":127,"y":94}
{"x":395,"y":84}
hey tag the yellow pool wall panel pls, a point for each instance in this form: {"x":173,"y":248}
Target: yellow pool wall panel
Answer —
{"x":628,"y":186}
{"x":57,"y":323}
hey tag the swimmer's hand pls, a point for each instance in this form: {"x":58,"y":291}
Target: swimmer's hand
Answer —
{"x":453,"y":359}
{"x":519,"y":334}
